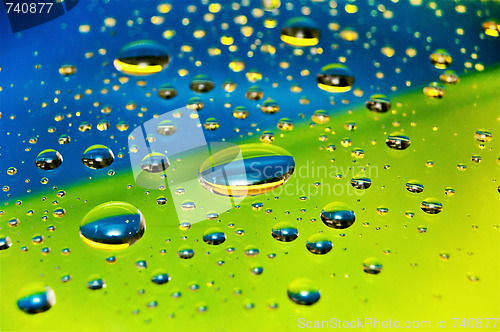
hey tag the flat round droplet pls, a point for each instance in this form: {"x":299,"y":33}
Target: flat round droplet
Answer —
{"x":254,"y":93}
{"x":372,"y":266}
{"x":284,"y":232}
{"x":166,"y":128}
{"x":320,"y":117}
{"x":335,"y":78}
{"x":48,"y":160}
{"x":38,"y":300}
{"x":270,"y":107}
{"x":246,"y":170}
{"x":414,"y":186}
{"x":154,"y":163}
{"x":379,"y":103}
{"x":319,"y":244}
{"x":431,"y":206}
{"x":240,"y":112}
{"x":285,"y":124}
{"x":98,"y":156}
{"x":434,"y":90}
{"x":201,"y":84}
{"x":112,"y":225}
{"x":303,"y":291}
{"x":483,"y":136}
{"x":167,"y":91}
{"x":300,"y":32}
{"x":160,"y":278}
{"x":440,"y":58}
{"x":143,"y":57}
{"x":214,"y":236}
{"x":449,"y":77}
{"x":397,"y":141}
{"x":361,"y":182}
{"x":338,"y":215}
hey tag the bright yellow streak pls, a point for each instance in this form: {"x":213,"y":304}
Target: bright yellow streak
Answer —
{"x":331,"y":88}
{"x":294,"y":41}
{"x":136,"y":69}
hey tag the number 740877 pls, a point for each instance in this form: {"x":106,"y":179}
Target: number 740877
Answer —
{"x":29,"y":8}
{"x":475,"y":322}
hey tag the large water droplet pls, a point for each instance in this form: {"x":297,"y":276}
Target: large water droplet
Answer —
{"x":378,"y":103}
{"x":303,"y":291}
{"x":166,"y":128}
{"x":335,"y":78}
{"x":284,"y":232}
{"x":38,"y":300}
{"x":112,"y":225}
{"x":431,"y":206}
{"x":143,"y":57}
{"x":214,"y":236}
{"x":98,"y":156}
{"x":300,"y":31}
{"x":246,"y":170}
{"x":154,"y":163}
{"x":440,"y":58}
{"x":397,"y":141}
{"x":167,"y":91}
{"x":201,"y":84}
{"x":338,"y":215}
{"x":372,"y":266}
{"x":49,"y":159}
{"x":414,"y":186}
{"x":319,"y":244}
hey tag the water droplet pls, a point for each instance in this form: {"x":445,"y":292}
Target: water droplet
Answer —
{"x":166,"y":128}
{"x":98,"y":156}
{"x":154,"y":163}
{"x":143,"y":57}
{"x":338,"y":215}
{"x":11,"y":170}
{"x":372,"y":266}
{"x":95,"y":284}
{"x":201,"y":84}
{"x":229,"y":86}
{"x":112,"y":225}
{"x":14,"y":222}
{"x":397,"y":141}
{"x":167,"y":91}
{"x":320,"y":117}
{"x":434,"y":90}
{"x":214,"y":236}
{"x":285,"y":124}
{"x":335,"y":78}
{"x":270,"y":107}
{"x":240,"y":112}
{"x":431,"y":206}
{"x":194,"y":104}
{"x":449,"y":191}
{"x":211,"y":124}
{"x":161,"y":200}
{"x":161,"y":278}
{"x":267,"y":137}
{"x":300,"y":31}
{"x":491,"y":28}
{"x":449,"y":77}
{"x":483,"y":136}
{"x":284,"y":232}
{"x":5,"y":242}
{"x":361,"y":182}
{"x":64,"y":139}
{"x":378,"y":103}
{"x":250,"y":251}
{"x":303,"y":291}
{"x":440,"y":58}
{"x":414,"y":186}
{"x":319,"y":244}
{"x":244,"y":170}
{"x":254,"y":93}
{"x":185,"y":252}
{"x":382,"y":210}
{"x":67,"y":70}
{"x":40,"y":299}
{"x":257,"y":270}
